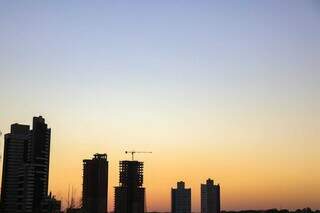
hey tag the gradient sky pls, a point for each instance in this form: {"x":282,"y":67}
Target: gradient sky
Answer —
{"x":223,"y":89}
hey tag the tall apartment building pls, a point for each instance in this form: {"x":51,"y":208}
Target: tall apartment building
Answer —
{"x":181,"y":199}
{"x":95,"y":184}
{"x":210,"y":197}
{"x":130,"y":194}
{"x":15,"y":155}
{"x":26,"y":168}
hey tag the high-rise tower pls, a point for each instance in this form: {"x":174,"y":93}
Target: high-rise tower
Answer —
{"x":26,"y":168}
{"x":95,"y":184}
{"x":130,"y":195}
{"x":39,"y":163}
{"x":210,"y":197}
{"x":181,"y":199}
{"x":15,"y":156}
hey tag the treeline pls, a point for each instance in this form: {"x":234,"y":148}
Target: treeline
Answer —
{"x":305,"y":210}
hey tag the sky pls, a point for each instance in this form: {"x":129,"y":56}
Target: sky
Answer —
{"x":228,"y":90}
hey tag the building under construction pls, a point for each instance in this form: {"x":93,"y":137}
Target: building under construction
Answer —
{"x":130,"y":195}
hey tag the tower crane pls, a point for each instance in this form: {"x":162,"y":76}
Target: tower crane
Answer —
{"x":134,"y":152}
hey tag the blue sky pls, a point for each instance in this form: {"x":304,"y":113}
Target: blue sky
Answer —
{"x":206,"y":45}
{"x":211,"y":44}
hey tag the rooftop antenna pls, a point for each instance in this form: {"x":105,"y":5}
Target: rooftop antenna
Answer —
{"x":134,"y":152}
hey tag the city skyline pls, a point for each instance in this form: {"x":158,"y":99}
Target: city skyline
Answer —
{"x":25,"y":180}
{"x":21,"y":141}
{"x":227,"y":89}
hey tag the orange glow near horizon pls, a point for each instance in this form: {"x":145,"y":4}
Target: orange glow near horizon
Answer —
{"x":253,"y":173}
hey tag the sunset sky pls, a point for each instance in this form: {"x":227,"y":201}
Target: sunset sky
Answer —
{"x":223,"y":89}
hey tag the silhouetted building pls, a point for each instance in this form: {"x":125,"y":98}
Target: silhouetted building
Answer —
{"x":130,"y":195}
{"x":95,"y":184}
{"x":51,"y":205}
{"x":75,"y":210}
{"x":180,"y":199}
{"x":26,"y":168}
{"x":15,"y":156}
{"x":210,"y":197}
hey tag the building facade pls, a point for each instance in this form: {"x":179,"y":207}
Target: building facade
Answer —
{"x":181,"y":199}
{"x":26,"y":168}
{"x":130,"y":194}
{"x":14,"y":158}
{"x":40,"y":155}
{"x":210,"y":197}
{"x":95,"y":184}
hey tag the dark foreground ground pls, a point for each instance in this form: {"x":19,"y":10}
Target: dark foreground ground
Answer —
{"x":305,"y":210}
